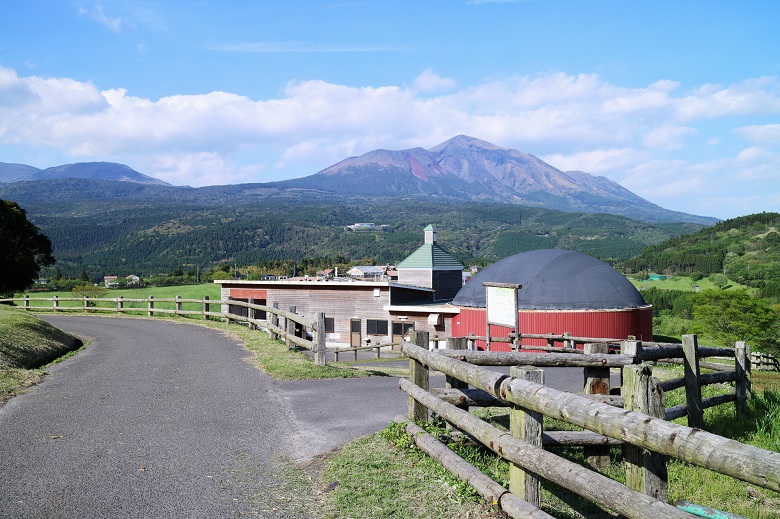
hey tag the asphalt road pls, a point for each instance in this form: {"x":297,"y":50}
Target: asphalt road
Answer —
{"x":158,"y":419}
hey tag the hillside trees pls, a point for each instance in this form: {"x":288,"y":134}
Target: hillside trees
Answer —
{"x":735,"y":315}
{"x":23,"y":249}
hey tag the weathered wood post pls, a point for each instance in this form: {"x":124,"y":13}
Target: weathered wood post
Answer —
{"x":596,"y":383}
{"x":450,"y":382}
{"x":320,"y":351}
{"x":178,"y":306}
{"x":692,"y":381}
{"x":86,"y":304}
{"x":290,"y":328}
{"x":742,"y":367}
{"x":55,"y":303}
{"x":206,"y":307}
{"x":150,"y":306}
{"x":419,"y":376}
{"x":274,"y":319}
{"x":26,"y":301}
{"x":120,"y":303}
{"x":645,"y":470}
{"x":526,"y":425}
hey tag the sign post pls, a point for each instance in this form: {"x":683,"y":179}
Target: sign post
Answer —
{"x":501,"y":309}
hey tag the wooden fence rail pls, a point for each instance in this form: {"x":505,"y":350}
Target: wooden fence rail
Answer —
{"x":641,"y":425}
{"x":119,"y":305}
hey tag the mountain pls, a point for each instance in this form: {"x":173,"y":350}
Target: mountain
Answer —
{"x":466,"y":168}
{"x":17,"y":172}
{"x":83,"y":170}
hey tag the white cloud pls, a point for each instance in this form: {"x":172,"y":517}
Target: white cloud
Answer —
{"x":96,"y":13}
{"x":429,"y":82}
{"x":668,"y":137}
{"x":763,"y":133}
{"x":636,"y":136}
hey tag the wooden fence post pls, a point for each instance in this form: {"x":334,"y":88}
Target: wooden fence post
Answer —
{"x":419,"y":376}
{"x":274,"y":320}
{"x":290,"y":326}
{"x":120,"y":304}
{"x":206,"y":307}
{"x":319,"y":353}
{"x":86,"y":304}
{"x":596,"y":383}
{"x":566,"y":342}
{"x":450,"y":382}
{"x":55,"y":303}
{"x":743,"y":368}
{"x":692,"y":381}
{"x":26,"y":301}
{"x":526,"y":425}
{"x":629,"y":347}
{"x":645,"y":471}
{"x":150,"y":306}
{"x":178,"y":305}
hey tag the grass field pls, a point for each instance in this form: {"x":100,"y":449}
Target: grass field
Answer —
{"x":684,"y":283}
{"x":211,"y":290}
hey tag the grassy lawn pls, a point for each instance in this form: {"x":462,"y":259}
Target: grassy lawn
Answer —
{"x":684,"y":283}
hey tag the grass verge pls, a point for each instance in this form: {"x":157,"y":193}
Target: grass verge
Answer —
{"x":371,"y":476}
{"x":26,"y":344}
{"x":280,"y":363}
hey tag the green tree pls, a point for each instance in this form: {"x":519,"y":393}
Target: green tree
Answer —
{"x":23,"y":249}
{"x":735,"y":315}
{"x":719,"y":280}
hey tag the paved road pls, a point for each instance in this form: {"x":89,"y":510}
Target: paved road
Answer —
{"x":161,"y":419}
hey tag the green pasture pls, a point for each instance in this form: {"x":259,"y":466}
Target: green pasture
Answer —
{"x":212,"y":290}
{"x":685,"y":283}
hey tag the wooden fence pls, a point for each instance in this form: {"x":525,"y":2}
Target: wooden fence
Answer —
{"x":636,"y":420}
{"x":764,"y":361}
{"x":281,"y":325}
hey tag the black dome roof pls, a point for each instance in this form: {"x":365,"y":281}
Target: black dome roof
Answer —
{"x":555,"y":279}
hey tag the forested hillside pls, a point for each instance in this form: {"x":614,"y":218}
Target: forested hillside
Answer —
{"x":745,"y":249}
{"x":142,"y":236}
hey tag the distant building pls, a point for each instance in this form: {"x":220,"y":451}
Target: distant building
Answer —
{"x":366,"y":272}
{"x":110,"y":281}
{"x":375,"y":307}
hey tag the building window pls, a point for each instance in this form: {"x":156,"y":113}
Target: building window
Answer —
{"x":330,"y":326}
{"x":376,"y":327}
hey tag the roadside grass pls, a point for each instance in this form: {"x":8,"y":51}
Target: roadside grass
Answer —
{"x":281,"y":363}
{"x":26,"y":344}
{"x":383,"y":475}
{"x":375,"y":492}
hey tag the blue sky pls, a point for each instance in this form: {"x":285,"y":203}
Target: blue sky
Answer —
{"x":677,"y":101}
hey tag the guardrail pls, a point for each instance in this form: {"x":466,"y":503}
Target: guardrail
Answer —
{"x":641,"y":426}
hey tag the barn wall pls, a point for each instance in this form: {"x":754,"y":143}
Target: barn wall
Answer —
{"x":614,"y":324}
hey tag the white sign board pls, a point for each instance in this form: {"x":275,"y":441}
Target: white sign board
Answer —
{"x":501,"y":306}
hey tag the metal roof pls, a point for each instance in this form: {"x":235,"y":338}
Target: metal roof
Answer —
{"x":430,"y":256}
{"x":555,"y":279}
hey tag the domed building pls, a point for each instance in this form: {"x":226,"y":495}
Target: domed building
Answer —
{"x":562,"y":291}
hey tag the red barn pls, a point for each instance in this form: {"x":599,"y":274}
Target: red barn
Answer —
{"x":562,"y":291}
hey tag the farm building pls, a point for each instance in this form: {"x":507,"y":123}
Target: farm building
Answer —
{"x":562,"y":291}
{"x":373,"y":309}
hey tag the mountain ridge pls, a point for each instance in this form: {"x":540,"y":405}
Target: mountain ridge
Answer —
{"x":112,"y":171}
{"x":472,"y":169}
{"x":458,"y":170}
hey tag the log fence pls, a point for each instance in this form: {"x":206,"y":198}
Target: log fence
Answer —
{"x":636,"y":420}
{"x":295,"y":332}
